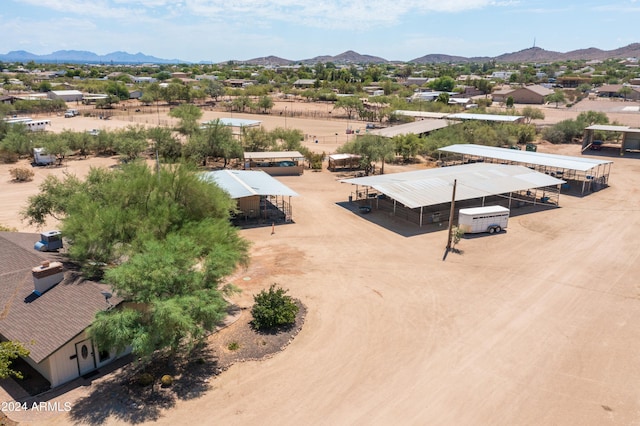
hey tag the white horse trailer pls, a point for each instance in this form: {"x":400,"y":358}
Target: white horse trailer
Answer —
{"x":41,"y":158}
{"x":489,"y":219}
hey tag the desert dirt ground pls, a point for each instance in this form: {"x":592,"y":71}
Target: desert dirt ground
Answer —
{"x":536,"y":325}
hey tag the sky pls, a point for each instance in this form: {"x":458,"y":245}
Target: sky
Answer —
{"x":222,"y":30}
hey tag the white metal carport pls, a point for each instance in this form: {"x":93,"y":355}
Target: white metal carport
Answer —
{"x":431,"y":187}
{"x":256,"y":192}
{"x":590,"y":173}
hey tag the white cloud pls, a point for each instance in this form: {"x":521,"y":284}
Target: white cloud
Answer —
{"x":317,"y":13}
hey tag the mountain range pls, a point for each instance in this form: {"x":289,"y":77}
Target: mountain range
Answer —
{"x":532,"y":54}
{"x":85,"y":57}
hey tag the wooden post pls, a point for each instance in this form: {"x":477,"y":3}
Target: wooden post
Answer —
{"x":451,"y":214}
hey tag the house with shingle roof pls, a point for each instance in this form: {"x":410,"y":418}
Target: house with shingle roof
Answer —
{"x":48,"y":310}
{"x":533,"y":94}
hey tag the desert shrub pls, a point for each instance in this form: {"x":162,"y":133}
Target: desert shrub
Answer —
{"x":7,"y":157}
{"x":273,"y":308}
{"x":166,"y":381}
{"x":21,"y":174}
{"x":145,"y":379}
{"x":233,"y":346}
{"x":484,"y":102}
{"x":563,"y":132}
{"x":7,"y":229}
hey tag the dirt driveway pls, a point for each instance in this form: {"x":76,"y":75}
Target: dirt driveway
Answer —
{"x":533,"y":326}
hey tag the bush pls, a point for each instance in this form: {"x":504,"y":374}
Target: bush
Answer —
{"x":273,"y":308}
{"x":233,"y":346}
{"x":21,"y":174}
{"x":7,"y":157}
{"x":145,"y":379}
{"x":166,"y":381}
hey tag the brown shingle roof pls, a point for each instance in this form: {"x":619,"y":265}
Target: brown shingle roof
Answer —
{"x":44,"y":323}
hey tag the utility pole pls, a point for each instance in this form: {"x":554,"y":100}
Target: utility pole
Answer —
{"x":451,"y":213}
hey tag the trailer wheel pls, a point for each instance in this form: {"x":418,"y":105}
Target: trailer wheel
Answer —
{"x":491,"y":229}
{"x":498,"y":229}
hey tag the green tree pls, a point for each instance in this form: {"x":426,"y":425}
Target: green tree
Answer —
{"x":44,"y":86}
{"x":165,"y":145}
{"x":371,"y":148}
{"x":350,"y":104}
{"x":17,"y":141}
{"x":625,"y":91}
{"x":167,"y":239}
{"x":8,"y":352}
{"x":509,"y":102}
{"x":257,"y":139}
{"x":216,"y":140}
{"x":407,"y":145}
{"x":273,"y":308}
{"x":117,"y":89}
{"x":265,"y":103}
{"x":589,"y":118}
{"x":287,"y":139}
{"x":56,"y":145}
{"x":213,"y":88}
{"x":443,"y":98}
{"x":556,"y":97}
{"x":530,"y":113}
{"x":443,"y":84}
{"x":188,"y":114}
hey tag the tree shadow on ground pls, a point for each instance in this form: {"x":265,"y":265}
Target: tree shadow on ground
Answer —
{"x":125,"y":398}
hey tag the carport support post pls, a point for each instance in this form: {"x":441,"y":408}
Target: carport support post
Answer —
{"x":451,"y":213}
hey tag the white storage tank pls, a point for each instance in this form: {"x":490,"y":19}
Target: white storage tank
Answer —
{"x":489,"y":219}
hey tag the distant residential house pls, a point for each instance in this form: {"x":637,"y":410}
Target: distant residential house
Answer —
{"x":143,"y":79}
{"x":613,"y":91}
{"x":418,"y":81}
{"x":304,"y":82}
{"x":571,"y":82}
{"x":501,"y":94}
{"x":66,"y":95}
{"x":533,"y":94}
{"x":239,"y":82}
{"x":502,"y":75}
{"x":48,"y":310}
{"x":206,"y":77}
{"x":179,"y":75}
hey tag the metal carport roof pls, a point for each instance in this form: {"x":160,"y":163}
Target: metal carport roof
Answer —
{"x":527,"y":157}
{"x":434,"y":186}
{"x":485,"y":117}
{"x":417,"y":127}
{"x":246,"y":183}
{"x":272,"y":155}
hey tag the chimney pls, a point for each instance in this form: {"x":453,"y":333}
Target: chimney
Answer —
{"x":46,"y":276}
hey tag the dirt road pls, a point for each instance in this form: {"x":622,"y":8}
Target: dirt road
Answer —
{"x":533,"y":326}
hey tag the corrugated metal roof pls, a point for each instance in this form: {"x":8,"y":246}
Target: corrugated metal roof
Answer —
{"x":423,"y":114}
{"x":272,"y":155}
{"x":235,"y":122}
{"x":417,"y":127}
{"x":527,"y":157}
{"x":247,"y":183}
{"x":343,"y":156}
{"x":607,"y":128}
{"x":434,"y":186}
{"x":485,"y":117}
